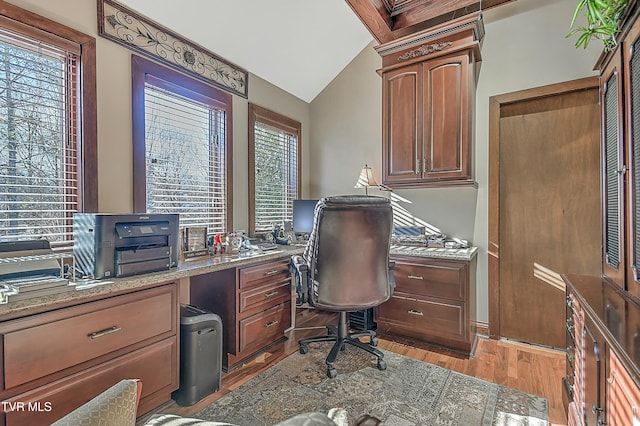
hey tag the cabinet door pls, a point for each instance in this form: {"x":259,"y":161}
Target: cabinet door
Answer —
{"x":447,"y":96}
{"x":613,"y":262}
{"x":623,"y":396}
{"x":402,"y":124}
{"x":631,"y":49}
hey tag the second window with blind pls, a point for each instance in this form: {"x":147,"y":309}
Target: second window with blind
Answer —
{"x":274,"y":168}
{"x":182,"y":147}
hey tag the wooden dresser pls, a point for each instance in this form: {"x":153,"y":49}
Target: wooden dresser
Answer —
{"x":57,"y":360}
{"x":602,"y":385}
{"x":433,"y":302}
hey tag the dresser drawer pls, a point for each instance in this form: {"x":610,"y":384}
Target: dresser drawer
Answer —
{"x":52,"y":342}
{"x":424,"y":318}
{"x":254,"y":276}
{"x":264,"y":328}
{"x":265,"y":296}
{"x":153,"y":365}
{"x":437,"y":279}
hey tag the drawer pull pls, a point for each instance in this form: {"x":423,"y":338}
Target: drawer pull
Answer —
{"x":415,"y":277}
{"x":271,"y":323}
{"x":413,"y":312}
{"x":269,"y":295}
{"x":275,"y":271}
{"x":104,"y":332}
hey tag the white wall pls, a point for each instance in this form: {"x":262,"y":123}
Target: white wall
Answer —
{"x":115,"y":185}
{"x":524,"y":47}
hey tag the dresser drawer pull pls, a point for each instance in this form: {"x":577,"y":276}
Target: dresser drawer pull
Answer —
{"x":104,"y":332}
{"x":273,"y":293}
{"x":275,"y":271}
{"x":415,"y":277}
{"x":413,"y":312}
{"x":271,"y":323}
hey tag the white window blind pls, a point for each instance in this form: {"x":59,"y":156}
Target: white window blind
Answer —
{"x":185,"y":159}
{"x":39,"y":164}
{"x":276,"y":175}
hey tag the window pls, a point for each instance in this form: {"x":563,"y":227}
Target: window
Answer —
{"x":47,"y":127}
{"x":274,"y":168}
{"x":182,"y":147}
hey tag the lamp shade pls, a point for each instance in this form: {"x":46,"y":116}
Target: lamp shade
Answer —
{"x":366,"y":178}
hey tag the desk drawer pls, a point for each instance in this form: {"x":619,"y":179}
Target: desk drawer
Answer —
{"x":65,"y":338}
{"x":266,"y":296}
{"x":264,"y":328}
{"x":154,"y":365}
{"x":425,"y":318}
{"x":253,"y":276}
{"x":438,"y":279}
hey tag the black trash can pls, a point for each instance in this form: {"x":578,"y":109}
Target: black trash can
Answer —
{"x":200,"y":355}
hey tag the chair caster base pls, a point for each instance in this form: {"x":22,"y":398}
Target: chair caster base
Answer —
{"x":304,"y":349}
{"x":373,"y":341}
{"x":382,"y":364}
{"x":331,"y":372}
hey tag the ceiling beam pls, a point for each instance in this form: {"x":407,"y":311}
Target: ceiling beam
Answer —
{"x":388,"y":25}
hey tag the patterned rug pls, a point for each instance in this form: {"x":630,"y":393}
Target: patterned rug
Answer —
{"x":409,"y":392}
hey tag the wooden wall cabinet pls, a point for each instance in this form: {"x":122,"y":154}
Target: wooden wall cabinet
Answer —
{"x":58,"y":360}
{"x":620,"y":91}
{"x":433,"y":302}
{"x":428,"y":103}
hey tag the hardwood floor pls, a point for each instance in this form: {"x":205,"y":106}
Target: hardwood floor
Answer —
{"x":535,"y":370}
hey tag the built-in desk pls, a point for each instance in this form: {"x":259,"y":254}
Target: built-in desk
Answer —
{"x":61,"y":350}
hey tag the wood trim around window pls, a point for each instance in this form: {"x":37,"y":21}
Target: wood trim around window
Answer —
{"x":186,"y":86}
{"x":36,"y":26}
{"x":266,"y":116}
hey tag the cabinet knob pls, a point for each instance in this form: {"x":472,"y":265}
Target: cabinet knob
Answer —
{"x":414,"y":312}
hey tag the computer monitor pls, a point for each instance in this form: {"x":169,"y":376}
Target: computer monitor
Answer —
{"x":303,"y":216}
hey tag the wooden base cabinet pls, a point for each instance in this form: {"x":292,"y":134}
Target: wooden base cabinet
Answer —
{"x":434,"y":302}
{"x":55,"y":361}
{"x":603,"y":363}
{"x":254,"y":303}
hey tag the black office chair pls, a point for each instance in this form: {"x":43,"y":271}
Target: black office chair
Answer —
{"x":346,"y":267}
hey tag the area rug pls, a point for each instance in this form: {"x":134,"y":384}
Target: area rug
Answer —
{"x":409,"y":392}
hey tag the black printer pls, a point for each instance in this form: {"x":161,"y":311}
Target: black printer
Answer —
{"x":119,"y":245}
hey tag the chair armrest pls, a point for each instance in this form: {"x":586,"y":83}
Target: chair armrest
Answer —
{"x":392,"y":276}
{"x":300,"y":270}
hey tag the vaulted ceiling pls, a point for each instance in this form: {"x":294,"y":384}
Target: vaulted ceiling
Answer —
{"x":298,"y":45}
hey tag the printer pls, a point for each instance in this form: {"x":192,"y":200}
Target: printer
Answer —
{"x":119,"y":245}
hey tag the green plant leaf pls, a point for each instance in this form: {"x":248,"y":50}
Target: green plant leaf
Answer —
{"x":602,"y":18}
{"x":579,"y":7}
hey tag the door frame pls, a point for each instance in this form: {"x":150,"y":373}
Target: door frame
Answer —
{"x":496,"y":103}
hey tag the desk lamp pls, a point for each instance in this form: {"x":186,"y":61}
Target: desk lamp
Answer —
{"x":366,"y":179}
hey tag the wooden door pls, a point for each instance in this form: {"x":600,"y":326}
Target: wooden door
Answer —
{"x":544,"y":206}
{"x":402,"y":124}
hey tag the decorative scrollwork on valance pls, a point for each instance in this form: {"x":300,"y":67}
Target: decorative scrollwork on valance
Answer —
{"x":425,"y":50}
{"x":124,"y":26}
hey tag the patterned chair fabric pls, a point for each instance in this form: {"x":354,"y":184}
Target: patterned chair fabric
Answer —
{"x":117,"y":405}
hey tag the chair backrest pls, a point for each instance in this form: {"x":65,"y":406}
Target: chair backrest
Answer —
{"x":348,"y":253}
